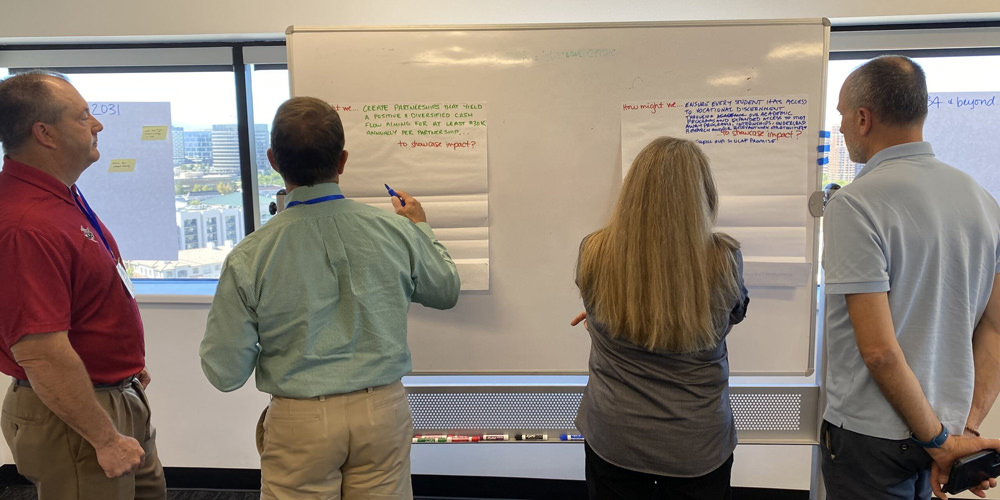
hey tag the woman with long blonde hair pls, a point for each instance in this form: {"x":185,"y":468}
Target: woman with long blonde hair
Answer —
{"x":661,"y":291}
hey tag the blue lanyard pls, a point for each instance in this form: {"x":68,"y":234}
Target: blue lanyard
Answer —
{"x":316,"y":200}
{"x":92,"y":217}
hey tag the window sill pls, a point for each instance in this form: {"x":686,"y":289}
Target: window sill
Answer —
{"x":193,"y":291}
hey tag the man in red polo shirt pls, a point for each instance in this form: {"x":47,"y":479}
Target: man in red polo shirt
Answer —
{"x":75,"y":415}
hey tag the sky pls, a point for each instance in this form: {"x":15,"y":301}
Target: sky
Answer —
{"x":198,"y":100}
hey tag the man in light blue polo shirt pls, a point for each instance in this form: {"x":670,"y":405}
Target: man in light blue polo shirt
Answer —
{"x":911,"y":252}
{"x":316,"y":302}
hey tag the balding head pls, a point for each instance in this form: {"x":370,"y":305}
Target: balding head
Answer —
{"x":25,"y":99}
{"x":892,"y":87}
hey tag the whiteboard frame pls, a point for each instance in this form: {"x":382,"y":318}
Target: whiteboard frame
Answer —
{"x":561,"y":26}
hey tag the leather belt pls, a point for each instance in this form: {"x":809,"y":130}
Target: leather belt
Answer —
{"x":121,"y":385}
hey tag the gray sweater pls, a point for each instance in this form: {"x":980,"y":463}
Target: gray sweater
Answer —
{"x":659,"y":412}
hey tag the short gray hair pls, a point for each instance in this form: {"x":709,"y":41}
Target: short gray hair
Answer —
{"x":25,"y":98}
{"x":893,"y":87}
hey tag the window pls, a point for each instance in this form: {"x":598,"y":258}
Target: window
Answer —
{"x":191,"y":239}
{"x":212,"y":231}
{"x":270,"y":89}
{"x":948,"y":70}
{"x":231,"y":230}
{"x":177,"y":206}
{"x":206,"y":178}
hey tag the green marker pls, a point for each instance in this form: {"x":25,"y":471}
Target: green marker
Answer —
{"x":430,"y":440}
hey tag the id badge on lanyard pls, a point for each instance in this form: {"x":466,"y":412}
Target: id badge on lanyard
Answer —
{"x":84,"y":207}
{"x":123,"y":274}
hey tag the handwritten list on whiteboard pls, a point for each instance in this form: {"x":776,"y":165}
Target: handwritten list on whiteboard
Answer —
{"x":759,"y":157}
{"x":436,"y":152}
{"x":961,"y":127}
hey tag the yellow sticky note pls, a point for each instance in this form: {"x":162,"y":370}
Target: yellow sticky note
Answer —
{"x":154,"y":132}
{"x":122,"y":165}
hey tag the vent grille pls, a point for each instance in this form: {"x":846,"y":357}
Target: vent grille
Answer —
{"x":485,"y":411}
{"x":767,"y":411}
{"x":756,"y":412}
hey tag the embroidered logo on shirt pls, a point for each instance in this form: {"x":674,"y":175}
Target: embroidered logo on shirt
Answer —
{"x":88,"y":233}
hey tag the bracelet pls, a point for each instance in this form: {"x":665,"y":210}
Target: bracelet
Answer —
{"x":970,"y":429}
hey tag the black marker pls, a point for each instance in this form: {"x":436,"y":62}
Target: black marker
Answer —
{"x":531,"y":437}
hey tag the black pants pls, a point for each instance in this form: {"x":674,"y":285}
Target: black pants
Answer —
{"x":606,"y":481}
{"x":860,"y":466}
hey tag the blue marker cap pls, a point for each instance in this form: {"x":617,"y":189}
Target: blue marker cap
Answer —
{"x":393,"y":193}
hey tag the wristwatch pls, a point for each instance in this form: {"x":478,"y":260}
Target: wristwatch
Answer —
{"x":936,"y":442}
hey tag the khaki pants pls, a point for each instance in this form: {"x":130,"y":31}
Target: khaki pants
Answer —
{"x":63,"y":465}
{"x":345,"y":446}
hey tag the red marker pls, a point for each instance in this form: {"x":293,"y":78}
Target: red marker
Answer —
{"x":463,"y":439}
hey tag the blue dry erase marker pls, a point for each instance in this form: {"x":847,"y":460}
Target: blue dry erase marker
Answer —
{"x":393,"y":193}
{"x":571,"y":437}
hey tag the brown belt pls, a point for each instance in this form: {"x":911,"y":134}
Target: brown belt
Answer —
{"x":125,"y":383}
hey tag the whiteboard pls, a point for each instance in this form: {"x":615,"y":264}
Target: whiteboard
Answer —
{"x":555,"y":96}
{"x":961,"y":127}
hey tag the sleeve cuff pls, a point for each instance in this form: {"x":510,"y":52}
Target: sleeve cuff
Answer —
{"x":856,"y":287}
{"x":426,"y":229}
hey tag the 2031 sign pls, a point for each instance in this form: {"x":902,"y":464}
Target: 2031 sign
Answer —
{"x":104,"y":109}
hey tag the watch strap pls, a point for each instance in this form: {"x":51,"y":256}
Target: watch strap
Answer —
{"x":935,"y":442}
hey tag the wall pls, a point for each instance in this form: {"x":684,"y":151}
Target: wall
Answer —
{"x":103,"y":18}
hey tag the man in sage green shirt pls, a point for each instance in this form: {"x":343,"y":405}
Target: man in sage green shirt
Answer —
{"x":316,"y":302}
